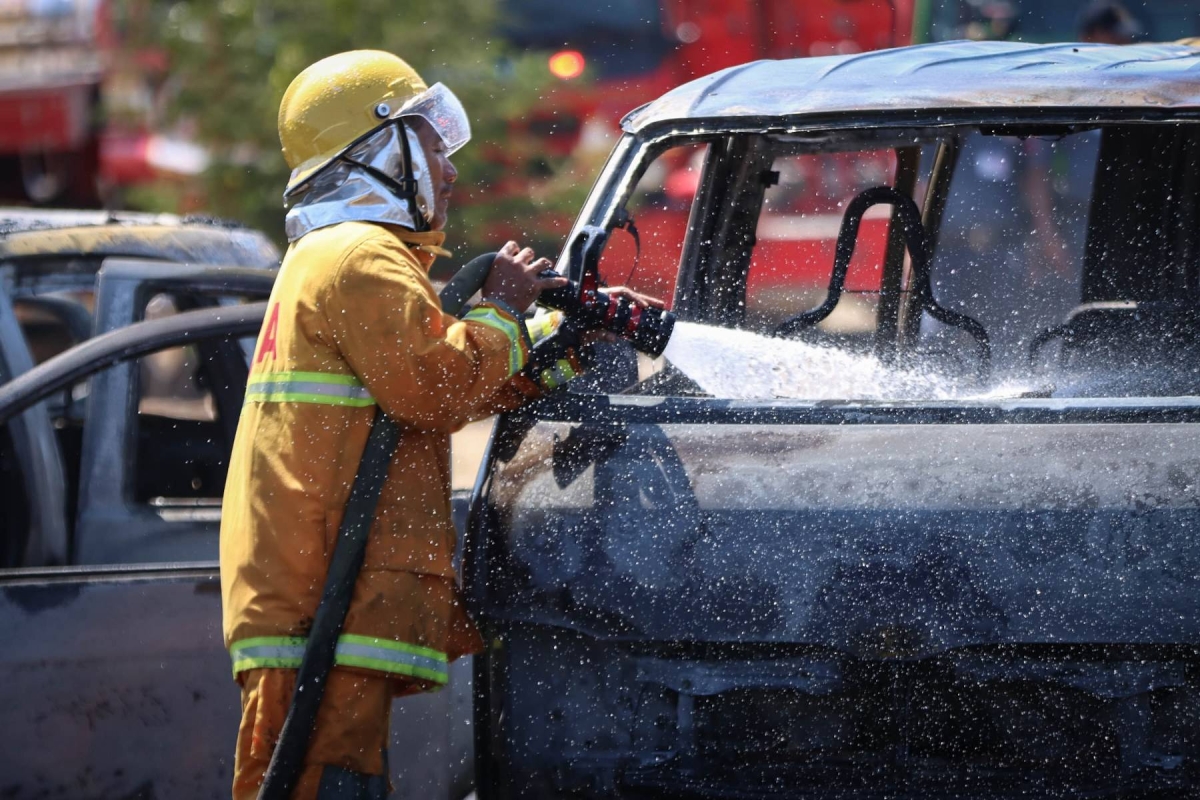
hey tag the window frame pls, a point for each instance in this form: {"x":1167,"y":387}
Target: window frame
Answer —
{"x":899,"y":317}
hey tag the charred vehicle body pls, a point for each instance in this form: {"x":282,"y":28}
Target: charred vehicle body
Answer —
{"x":991,"y":589}
{"x":52,"y":299}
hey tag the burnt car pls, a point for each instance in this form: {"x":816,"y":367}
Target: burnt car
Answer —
{"x":66,"y":276}
{"x":111,"y":466}
{"x":916,"y":518}
{"x":114,"y":679}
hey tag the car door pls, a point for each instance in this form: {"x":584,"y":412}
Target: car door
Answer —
{"x":157,"y":431}
{"x":116,"y":679}
{"x":115,"y":682}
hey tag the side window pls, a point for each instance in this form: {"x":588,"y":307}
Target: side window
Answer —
{"x":54,"y":322}
{"x":160,"y":460}
{"x":658,"y":210}
{"x":1010,"y":249}
{"x":157,"y":454}
{"x":187,"y":408}
{"x":54,"y":301}
{"x":796,"y":235}
{"x":169,"y":382}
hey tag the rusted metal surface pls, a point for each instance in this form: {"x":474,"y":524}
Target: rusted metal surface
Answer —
{"x":950,"y":76}
{"x":46,"y":234}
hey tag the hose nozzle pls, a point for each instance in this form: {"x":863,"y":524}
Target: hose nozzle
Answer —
{"x":583,"y":302}
{"x":591,"y":308}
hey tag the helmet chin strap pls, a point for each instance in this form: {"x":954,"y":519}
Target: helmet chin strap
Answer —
{"x":404,"y":187}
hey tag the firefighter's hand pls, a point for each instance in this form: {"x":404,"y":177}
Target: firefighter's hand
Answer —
{"x":637,"y":298}
{"x":514,"y":279}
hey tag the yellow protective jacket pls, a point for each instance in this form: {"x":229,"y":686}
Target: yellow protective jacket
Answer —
{"x":353,"y":321}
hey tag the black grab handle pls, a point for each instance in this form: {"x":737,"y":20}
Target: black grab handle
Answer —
{"x":466,"y":282}
{"x":916,"y":242}
{"x":846,"y":241}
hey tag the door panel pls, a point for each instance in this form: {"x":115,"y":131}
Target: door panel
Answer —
{"x":118,"y":522}
{"x":116,"y":684}
{"x":827,"y":535}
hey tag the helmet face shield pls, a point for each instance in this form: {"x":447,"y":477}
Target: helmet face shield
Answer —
{"x":437,"y":105}
{"x":442,"y":110}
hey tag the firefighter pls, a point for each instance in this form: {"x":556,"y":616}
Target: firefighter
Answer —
{"x":353,"y":323}
{"x":1108,"y":22}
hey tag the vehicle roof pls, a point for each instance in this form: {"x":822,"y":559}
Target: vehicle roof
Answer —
{"x":944,"y":76}
{"x":35,"y":233}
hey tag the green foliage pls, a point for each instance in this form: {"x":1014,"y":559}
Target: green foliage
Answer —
{"x":231,"y":60}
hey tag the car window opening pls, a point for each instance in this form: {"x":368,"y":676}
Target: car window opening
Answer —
{"x":188,"y":398}
{"x":1029,"y":293}
{"x":15,"y":518}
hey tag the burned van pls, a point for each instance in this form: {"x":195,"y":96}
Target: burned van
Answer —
{"x":911,"y":505}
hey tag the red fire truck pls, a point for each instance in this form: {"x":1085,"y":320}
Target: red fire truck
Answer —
{"x":77,"y":106}
{"x":609,"y":58}
{"x":51,"y":67}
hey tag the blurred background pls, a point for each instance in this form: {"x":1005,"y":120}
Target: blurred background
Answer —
{"x":170,"y":105}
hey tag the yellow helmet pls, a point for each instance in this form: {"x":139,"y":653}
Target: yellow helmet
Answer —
{"x":341,"y":99}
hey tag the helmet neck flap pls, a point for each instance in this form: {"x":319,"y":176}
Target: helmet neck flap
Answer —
{"x":384,"y":178}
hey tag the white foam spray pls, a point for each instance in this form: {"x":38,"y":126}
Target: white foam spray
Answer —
{"x":741,"y":365}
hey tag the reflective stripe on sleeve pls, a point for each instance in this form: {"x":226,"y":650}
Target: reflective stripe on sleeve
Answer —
{"x":369,"y":652}
{"x":308,"y":387}
{"x":510,"y":328}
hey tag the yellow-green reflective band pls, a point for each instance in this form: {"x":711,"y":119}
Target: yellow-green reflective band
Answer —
{"x":543,"y":325}
{"x":368,"y":652}
{"x":308,"y":387}
{"x":267,"y":651}
{"x":494,"y":319}
{"x":556,"y":376}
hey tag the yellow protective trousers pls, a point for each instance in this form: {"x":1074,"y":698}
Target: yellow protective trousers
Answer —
{"x":348,"y":743}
